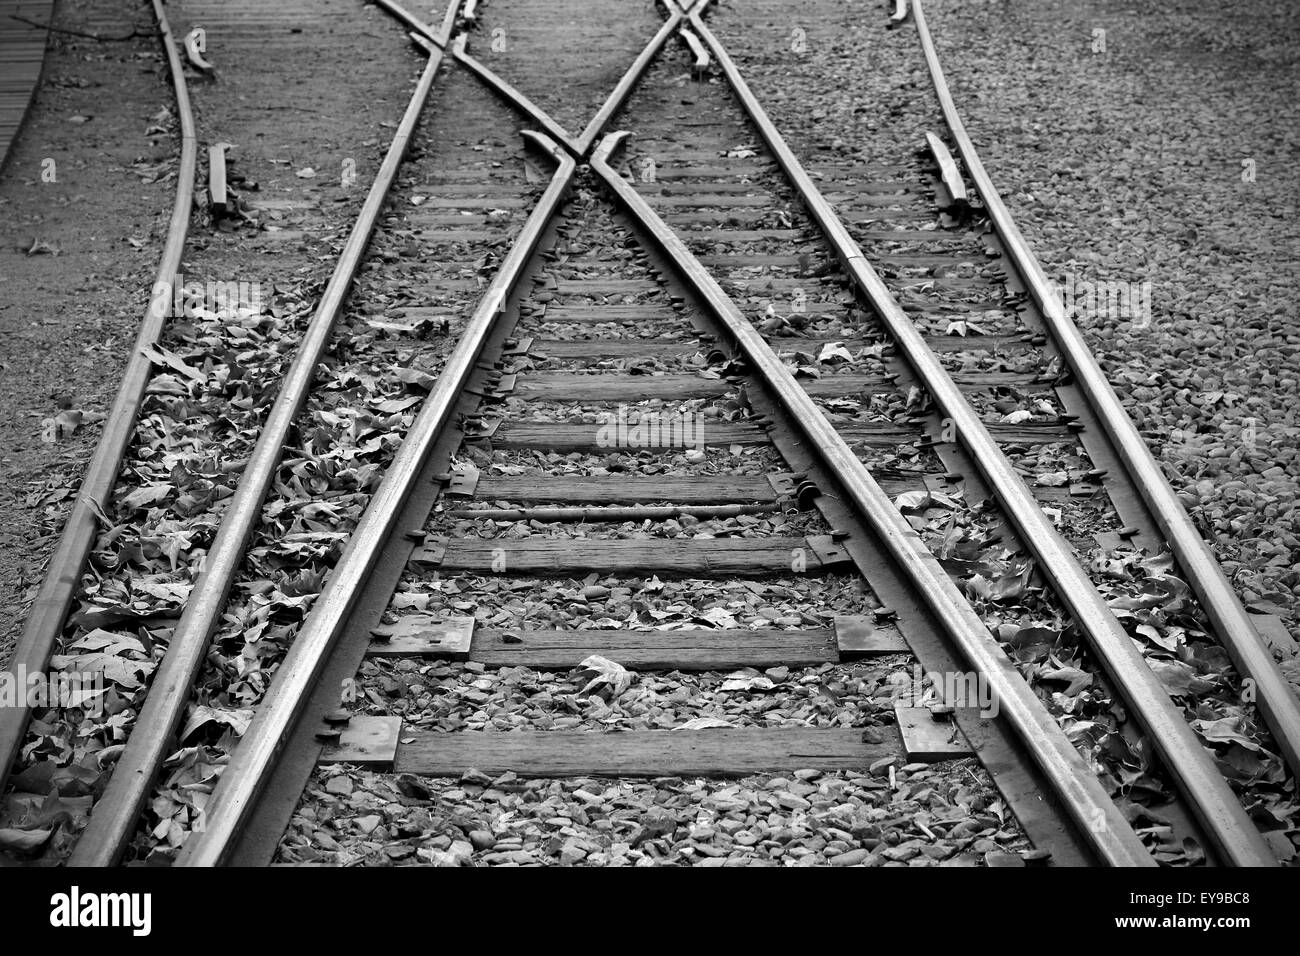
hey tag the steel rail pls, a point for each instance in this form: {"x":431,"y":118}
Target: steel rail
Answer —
{"x":1275,"y":698}
{"x":114,"y":816}
{"x":489,"y":77}
{"x":437,"y":37}
{"x":514,"y":96}
{"x":697,"y":50}
{"x":1227,"y":825}
{"x":630,"y":77}
{"x":1086,"y":801}
{"x":58,"y":588}
{"x":279,"y":712}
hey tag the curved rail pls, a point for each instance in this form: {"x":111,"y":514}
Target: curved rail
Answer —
{"x":54,"y":598}
{"x":1234,"y":836}
{"x":1275,"y":698}
{"x":1086,"y":800}
{"x":113,"y":818}
{"x":254,"y":757}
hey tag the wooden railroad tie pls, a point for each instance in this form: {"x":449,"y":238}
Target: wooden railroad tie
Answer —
{"x":852,"y":637}
{"x":745,"y":557}
{"x":383,"y":742}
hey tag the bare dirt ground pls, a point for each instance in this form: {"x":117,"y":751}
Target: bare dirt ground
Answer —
{"x":78,"y":253}
{"x":80,"y":234}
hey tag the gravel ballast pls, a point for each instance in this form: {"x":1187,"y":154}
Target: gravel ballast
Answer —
{"x":896,"y":815}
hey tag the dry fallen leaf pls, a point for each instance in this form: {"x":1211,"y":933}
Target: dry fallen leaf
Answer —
{"x":704,"y":723}
{"x":238,"y":720}
{"x":834,"y":351}
{"x":605,"y":673}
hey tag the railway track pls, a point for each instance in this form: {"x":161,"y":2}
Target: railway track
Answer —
{"x":736,"y":461}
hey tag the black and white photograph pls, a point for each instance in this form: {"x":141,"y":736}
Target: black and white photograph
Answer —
{"x":649,"y":434}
